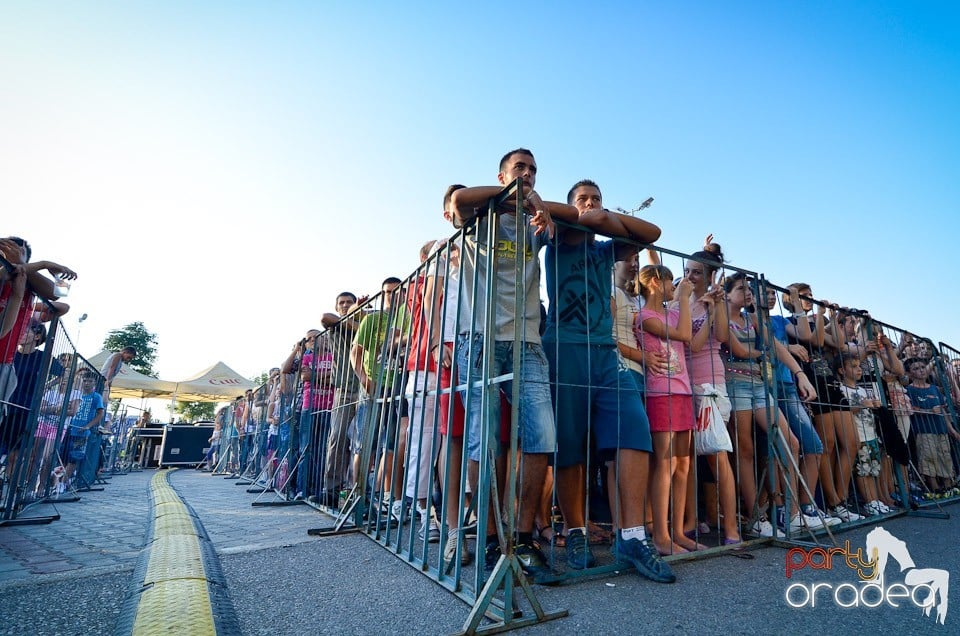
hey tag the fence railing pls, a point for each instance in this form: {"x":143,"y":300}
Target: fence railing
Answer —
{"x":50,"y":435}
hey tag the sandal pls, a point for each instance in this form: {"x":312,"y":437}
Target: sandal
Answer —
{"x":598,"y":535}
{"x":546,"y":534}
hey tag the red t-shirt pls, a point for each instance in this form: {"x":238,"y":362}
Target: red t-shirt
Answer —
{"x":419,"y":356}
{"x":9,"y":343}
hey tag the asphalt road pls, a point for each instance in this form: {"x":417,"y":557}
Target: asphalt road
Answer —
{"x":71,"y":577}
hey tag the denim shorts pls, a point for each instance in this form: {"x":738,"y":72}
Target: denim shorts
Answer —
{"x":799,"y":420}
{"x":385,"y":415}
{"x":596,"y":398}
{"x":747,"y":393}
{"x":536,"y":428}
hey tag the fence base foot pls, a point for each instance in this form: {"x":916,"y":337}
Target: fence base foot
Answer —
{"x":29,"y":521}
{"x":281,"y":502}
{"x":504,"y":576}
{"x":243,"y":482}
{"x":331,"y":532}
{"x":928,"y":514}
{"x":56,"y":500}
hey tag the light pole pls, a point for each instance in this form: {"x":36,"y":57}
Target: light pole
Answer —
{"x":643,"y":206}
{"x":79,"y":328}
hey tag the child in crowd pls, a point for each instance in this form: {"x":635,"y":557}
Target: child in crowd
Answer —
{"x":869,"y":458}
{"x":211,"y":457}
{"x":48,"y":425}
{"x":88,"y":416}
{"x":932,"y":429}
{"x":669,"y":403}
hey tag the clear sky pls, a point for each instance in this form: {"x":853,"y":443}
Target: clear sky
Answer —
{"x":221,"y":170}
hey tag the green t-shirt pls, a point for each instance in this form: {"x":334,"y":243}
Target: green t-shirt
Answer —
{"x":372,"y":334}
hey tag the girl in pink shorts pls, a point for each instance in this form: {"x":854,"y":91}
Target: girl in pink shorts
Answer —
{"x":669,"y":402}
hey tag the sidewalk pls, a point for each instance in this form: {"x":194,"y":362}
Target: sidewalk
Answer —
{"x":72,"y":576}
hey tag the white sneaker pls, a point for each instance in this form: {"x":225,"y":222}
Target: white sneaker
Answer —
{"x":796,"y":522}
{"x":825,"y":519}
{"x":840,"y":511}
{"x":761,"y":528}
{"x":396,"y":509}
{"x":430,"y":531}
{"x":884,"y":508}
{"x":450,"y":548}
{"x":812,"y":522}
{"x":874,"y":508}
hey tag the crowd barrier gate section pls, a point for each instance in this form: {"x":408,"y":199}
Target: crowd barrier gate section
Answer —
{"x":36,"y":457}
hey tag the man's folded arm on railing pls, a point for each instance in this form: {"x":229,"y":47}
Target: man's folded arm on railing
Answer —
{"x":612,"y":224}
{"x":469,"y":203}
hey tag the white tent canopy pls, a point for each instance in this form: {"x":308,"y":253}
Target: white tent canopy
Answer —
{"x":133,"y":384}
{"x":218,"y":383}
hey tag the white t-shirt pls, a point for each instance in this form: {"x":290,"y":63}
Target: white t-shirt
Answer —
{"x":866,"y":426}
{"x":623,"y":321}
{"x":451,"y":300}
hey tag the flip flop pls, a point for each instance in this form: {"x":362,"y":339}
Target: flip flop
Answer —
{"x":598,"y":535}
{"x":739,"y":552}
{"x":546,"y":534}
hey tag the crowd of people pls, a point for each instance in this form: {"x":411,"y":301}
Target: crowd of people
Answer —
{"x":652,"y":406}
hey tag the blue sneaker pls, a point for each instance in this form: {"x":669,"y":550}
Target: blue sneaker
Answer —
{"x":579,"y":556}
{"x":644,"y":556}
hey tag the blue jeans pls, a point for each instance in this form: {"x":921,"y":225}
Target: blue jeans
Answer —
{"x":306,"y":452}
{"x":537,"y":429}
{"x":799,"y":420}
{"x":245,"y":444}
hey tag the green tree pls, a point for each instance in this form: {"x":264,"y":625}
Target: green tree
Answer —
{"x":135,"y":335}
{"x":195,"y":411}
{"x":261,"y":379}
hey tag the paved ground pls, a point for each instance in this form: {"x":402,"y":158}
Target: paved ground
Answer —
{"x":71,"y":576}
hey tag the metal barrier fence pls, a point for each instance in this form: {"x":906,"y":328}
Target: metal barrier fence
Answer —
{"x":51,"y":435}
{"x":649,"y":412}
{"x":429,"y":421}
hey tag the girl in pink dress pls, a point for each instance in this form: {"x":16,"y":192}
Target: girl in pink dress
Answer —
{"x":669,"y":403}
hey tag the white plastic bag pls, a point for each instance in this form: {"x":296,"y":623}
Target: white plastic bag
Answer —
{"x":710,"y":435}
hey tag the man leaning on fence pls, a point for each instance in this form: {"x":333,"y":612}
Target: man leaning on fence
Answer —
{"x":596,"y":395}
{"x":341,"y":328}
{"x":375,"y":356}
{"x":111,"y":369}
{"x":537,"y":431}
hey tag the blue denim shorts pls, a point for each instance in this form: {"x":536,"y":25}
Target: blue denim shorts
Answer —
{"x":536,"y":428}
{"x":597,"y":399}
{"x":747,"y":394}
{"x":385,"y":416}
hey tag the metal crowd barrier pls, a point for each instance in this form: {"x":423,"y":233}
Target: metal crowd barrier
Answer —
{"x":425,"y":454}
{"x":389,"y":459}
{"x":47,"y":455}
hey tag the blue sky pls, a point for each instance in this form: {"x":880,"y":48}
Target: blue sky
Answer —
{"x":220,"y":171}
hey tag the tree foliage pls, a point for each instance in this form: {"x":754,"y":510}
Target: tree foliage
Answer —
{"x":261,"y":379}
{"x":135,"y":335}
{"x":195,"y":411}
